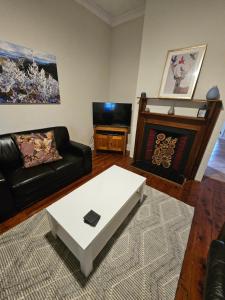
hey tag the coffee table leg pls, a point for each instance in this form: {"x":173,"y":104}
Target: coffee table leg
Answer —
{"x":141,"y":191}
{"x":86,"y":264}
{"x":52,"y":225}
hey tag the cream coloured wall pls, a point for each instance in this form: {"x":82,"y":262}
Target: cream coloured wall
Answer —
{"x":177,"y":24}
{"x":96,"y":62}
{"x":81,"y":43}
{"x":124,"y":60}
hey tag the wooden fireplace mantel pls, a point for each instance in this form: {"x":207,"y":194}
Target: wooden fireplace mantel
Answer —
{"x":202,"y":127}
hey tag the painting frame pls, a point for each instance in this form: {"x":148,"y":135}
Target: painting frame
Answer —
{"x":181,"y":72}
{"x":202,"y":112}
{"x":27,"y":76}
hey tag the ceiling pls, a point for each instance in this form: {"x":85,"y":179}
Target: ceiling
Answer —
{"x":115,"y":12}
{"x":119,"y":7}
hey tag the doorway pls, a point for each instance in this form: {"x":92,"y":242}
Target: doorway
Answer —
{"x":222,"y":132}
{"x":216,"y":163}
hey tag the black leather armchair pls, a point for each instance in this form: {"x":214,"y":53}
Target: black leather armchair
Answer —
{"x":20,"y":187}
{"x":215,"y":276}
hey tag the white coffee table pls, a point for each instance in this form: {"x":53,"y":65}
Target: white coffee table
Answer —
{"x":112,"y":194}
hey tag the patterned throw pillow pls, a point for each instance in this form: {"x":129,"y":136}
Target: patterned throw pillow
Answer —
{"x":37,"y":148}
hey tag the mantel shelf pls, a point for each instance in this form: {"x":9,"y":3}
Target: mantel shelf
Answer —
{"x":203,"y":101}
{"x":149,"y":114}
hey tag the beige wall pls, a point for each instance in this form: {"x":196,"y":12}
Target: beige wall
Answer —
{"x":96,"y":62}
{"x":177,"y":24}
{"x":81,"y":43}
{"x":124,"y":62}
{"x":125,"y":57}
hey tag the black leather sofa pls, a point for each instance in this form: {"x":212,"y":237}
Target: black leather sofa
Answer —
{"x":21,"y":187}
{"x":215,"y":275}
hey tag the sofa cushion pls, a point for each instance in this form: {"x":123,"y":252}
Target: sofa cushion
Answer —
{"x":69,"y":166}
{"x":37,"y":148}
{"x":26,"y":181}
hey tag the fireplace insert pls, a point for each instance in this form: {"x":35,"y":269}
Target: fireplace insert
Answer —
{"x":165,"y":151}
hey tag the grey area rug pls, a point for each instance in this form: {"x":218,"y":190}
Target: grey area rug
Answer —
{"x":141,"y":261}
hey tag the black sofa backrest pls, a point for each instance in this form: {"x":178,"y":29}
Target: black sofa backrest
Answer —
{"x":10,"y":156}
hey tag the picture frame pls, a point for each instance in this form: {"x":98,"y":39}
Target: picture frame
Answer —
{"x":27,"y":76}
{"x":202,"y":111}
{"x":181,"y":72}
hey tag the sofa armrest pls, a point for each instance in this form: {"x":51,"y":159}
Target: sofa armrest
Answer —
{"x":85,"y":152}
{"x":7,"y":207}
{"x":215,"y":277}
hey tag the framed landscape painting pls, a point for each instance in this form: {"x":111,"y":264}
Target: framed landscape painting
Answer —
{"x":27,"y":76}
{"x":181,"y":72}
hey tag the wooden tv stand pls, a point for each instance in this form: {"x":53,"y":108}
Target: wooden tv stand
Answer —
{"x":110,"y":138}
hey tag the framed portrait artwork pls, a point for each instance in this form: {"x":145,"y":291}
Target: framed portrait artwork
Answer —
{"x":202,"y":112}
{"x":181,"y":72}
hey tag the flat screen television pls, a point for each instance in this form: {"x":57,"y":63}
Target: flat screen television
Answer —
{"x":110,"y":113}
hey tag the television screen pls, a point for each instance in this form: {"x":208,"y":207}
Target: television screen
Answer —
{"x":110,"y":113}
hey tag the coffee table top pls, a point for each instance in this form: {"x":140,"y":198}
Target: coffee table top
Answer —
{"x":105,"y":194}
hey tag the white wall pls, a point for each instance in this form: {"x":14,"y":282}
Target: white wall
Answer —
{"x":124,"y":62}
{"x":222,"y":131}
{"x":96,"y":62}
{"x":81,"y":43}
{"x":177,"y":24}
{"x":125,"y":57}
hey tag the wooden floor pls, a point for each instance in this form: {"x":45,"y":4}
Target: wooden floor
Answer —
{"x":208,"y":198}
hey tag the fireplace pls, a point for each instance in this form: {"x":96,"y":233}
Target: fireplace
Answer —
{"x":165,"y":151}
{"x":172,"y":146}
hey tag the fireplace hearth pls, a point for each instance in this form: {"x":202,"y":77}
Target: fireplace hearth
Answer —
{"x":172,"y":146}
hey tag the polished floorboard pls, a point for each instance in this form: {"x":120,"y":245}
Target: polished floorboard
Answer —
{"x":208,"y":198}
